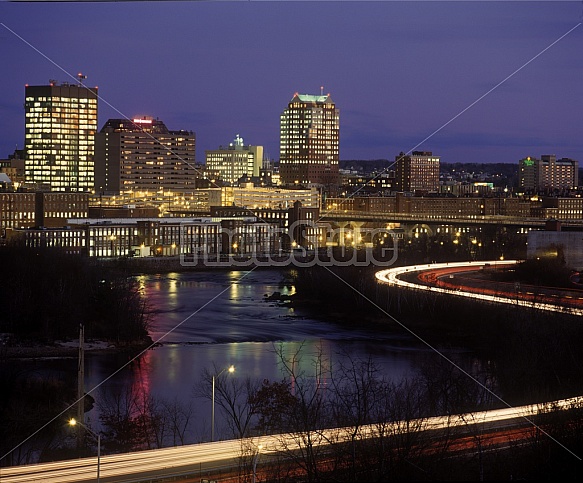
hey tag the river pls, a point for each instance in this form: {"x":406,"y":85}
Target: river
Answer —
{"x":216,"y":319}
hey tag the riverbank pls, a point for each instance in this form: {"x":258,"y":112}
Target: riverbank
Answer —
{"x":179,"y":264}
{"x":532,"y":354}
{"x":31,"y":350}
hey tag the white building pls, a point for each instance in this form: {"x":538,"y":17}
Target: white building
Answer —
{"x":254,"y":197}
{"x":234,"y":162}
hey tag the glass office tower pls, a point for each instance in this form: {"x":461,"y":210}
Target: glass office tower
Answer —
{"x":61,"y":122}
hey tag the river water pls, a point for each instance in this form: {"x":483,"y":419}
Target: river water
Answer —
{"x":219,"y":318}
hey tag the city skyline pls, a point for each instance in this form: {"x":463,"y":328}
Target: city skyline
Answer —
{"x":469,"y":81}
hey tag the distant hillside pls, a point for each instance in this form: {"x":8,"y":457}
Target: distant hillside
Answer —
{"x":507,"y":169}
{"x":501,"y":174}
{"x":365,"y":165}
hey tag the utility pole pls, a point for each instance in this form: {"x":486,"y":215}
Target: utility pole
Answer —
{"x":81,"y":384}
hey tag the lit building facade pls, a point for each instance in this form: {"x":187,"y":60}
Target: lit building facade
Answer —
{"x":234,"y":162}
{"x":418,"y":171}
{"x":71,"y":241}
{"x":564,"y":209}
{"x":17,"y":210}
{"x":144,"y":155}
{"x":297,"y":225}
{"x":54,"y":209}
{"x":199,"y":201}
{"x":309,"y":141}
{"x":527,"y":174}
{"x":24,"y":210}
{"x":256,"y":197}
{"x":432,"y":207}
{"x":194,"y":238}
{"x":547,"y":174}
{"x":60,"y":127}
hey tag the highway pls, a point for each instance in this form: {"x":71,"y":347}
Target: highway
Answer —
{"x":128,"y":467}
{"x":434,"y":283}
{"x":198,"y":459}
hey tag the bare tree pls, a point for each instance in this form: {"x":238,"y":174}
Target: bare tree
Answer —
{"x":233,"y":396}
{"x":309,"y":413}
{"x":357,"y":389}
{"x":127,"y":419}
{"x":177,"y":419}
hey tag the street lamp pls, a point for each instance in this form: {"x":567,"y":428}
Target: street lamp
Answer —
{"x":74,"y":422}
{"x":231,"y":369}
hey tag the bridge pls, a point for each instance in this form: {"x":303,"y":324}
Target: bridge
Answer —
{"x":365,"y":216}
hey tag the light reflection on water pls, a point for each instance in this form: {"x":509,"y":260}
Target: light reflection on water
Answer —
{"x":240,"y":327}
{"x":238,"y":312}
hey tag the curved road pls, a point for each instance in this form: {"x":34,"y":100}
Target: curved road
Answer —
{"x":441,"y":278}
{"x":201,"y":458}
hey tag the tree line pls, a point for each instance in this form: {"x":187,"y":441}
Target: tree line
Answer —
{"x":314,"y":394}
{"x":45,"y":293}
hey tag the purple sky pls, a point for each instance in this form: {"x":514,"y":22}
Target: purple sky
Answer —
{"x":398,"y":71}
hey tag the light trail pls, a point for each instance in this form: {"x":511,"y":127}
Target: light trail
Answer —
{"x":391,"y":277}
{"x":205,"y":457}
{"x":222,"y":455}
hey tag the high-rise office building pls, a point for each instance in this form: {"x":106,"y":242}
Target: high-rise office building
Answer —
{"x":230,"y":164}
{"x":309,"y":141}
{"x":527,"y":174}
{"x":547,"y":174}
{"x":60,"y":127}
{"x":144,"y":155}
{"x":418,"y":171}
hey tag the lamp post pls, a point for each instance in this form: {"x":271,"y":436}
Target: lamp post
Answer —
{"x":74,"y":422}
{"x":230,"y":369}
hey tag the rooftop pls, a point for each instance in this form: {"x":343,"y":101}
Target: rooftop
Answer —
{"x":310,"y":98}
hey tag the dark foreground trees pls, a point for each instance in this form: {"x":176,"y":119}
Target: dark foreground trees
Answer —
{"x":46,"y":293}
{"x":315,"y":395}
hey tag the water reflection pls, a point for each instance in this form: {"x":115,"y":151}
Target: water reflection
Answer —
{"x":241,"y":328}
{"x":237,"y":312}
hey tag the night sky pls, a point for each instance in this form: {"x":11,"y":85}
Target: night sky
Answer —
{"x":397,"y":70}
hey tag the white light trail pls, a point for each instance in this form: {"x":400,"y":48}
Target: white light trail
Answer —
{"x":224,"y":454}
{"x":391,"y":277}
